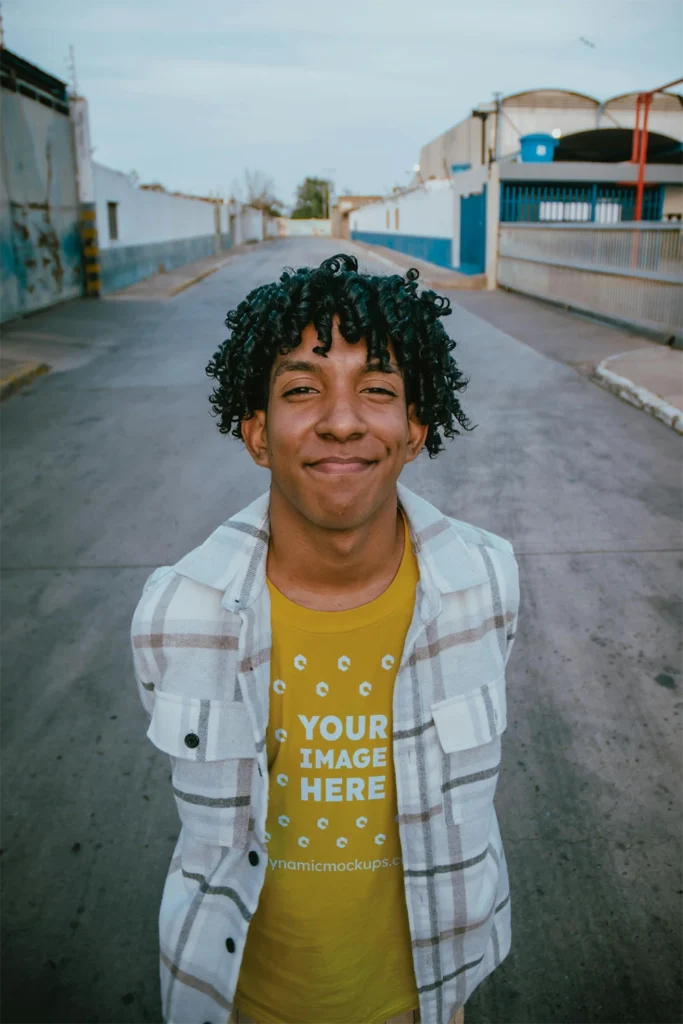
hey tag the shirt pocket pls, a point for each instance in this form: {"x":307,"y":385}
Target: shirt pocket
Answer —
{"x":469,"y":727}
{"x":212,"y":752}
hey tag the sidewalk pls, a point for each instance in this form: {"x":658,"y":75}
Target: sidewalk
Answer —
{"x":169,"y":284}
{"x":430,"y":274}
{"x":637,"y":369}
{"x":28,"y":350}
{"x":649,"y":379}
{"x":16,"y":373}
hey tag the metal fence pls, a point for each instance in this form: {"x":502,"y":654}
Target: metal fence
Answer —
{"x":600,"y":204}
{"x":632,"y":273}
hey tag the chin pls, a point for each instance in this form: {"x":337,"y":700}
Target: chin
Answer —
{"x":341,"y":506}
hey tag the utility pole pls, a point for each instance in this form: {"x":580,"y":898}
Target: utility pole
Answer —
{"x":327,"y":171}
{"x":71,"y":64}
{"x":498,"y":99}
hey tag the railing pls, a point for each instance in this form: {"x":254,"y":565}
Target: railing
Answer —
{"x":600,"y":203}
{"x":627,"y":272}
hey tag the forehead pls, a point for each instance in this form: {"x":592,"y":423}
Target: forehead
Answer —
{"x":341,"y":352}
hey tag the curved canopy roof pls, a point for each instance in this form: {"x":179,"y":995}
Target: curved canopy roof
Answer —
{"x":567,"y":98}
{"x":613,"y":145}
{"x":660,"y":101}
{"x":555,"y":98}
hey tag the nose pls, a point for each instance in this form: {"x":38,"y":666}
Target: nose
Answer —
{"x":341,"y":418}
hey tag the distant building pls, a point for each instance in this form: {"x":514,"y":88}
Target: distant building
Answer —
{"x":344,"y":207}
{"x":583,"y":128}
{"x":543,"y":156}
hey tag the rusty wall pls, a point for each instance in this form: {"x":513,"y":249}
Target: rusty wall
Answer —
{"x":40,"y":251}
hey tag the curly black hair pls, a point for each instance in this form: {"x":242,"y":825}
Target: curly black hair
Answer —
{"x":371,"y":308}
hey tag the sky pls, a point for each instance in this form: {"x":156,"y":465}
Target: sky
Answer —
{"x":192,"y":93}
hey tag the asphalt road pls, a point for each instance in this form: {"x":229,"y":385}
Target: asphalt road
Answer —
{"x":115,"y":466}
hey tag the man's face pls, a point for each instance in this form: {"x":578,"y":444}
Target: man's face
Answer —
{"x":337,"y":433}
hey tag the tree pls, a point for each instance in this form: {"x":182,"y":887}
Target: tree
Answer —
{"x":258,"y":191}
{"x":313,"y":199}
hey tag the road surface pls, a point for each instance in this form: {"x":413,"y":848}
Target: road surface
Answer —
{"x":115,"y":466}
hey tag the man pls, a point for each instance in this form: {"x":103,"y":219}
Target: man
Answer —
{"x":327,"y":672}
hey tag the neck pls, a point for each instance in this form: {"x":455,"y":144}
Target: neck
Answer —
{"x":333,"y":570}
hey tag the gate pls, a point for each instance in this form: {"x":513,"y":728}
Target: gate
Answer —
{"x":473,"y":233}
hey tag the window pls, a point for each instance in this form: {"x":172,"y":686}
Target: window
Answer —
{"x":396,"y":218}
{"x":388,"y":219}
{"x":113,"y":218}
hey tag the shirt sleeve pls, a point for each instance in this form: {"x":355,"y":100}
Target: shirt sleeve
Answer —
{"x":145,"y":669}
{"x":512,"y":607}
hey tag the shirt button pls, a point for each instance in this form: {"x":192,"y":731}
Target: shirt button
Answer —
{"x":253,"y":858}
{"x":230,"y":945}
{"x":192,"y":740}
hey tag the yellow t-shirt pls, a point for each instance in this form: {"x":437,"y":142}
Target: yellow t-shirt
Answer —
{"x":330,"y":941}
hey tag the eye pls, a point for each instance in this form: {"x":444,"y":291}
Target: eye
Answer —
{"x":293,"y":391}
{"x":383,"y":391}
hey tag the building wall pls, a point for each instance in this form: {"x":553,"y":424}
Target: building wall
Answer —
{"x":40,"y":249}
{"x":541,"y":111}
{"x":156,"y":231}
{"x":252,"y":224}
{"x":579,"y":116}
{"x":342,"y":210}
{"x":425,"y":222}
{"x":312,"y":228}
{"x":146,"y":217}
{"x":460,"y":145}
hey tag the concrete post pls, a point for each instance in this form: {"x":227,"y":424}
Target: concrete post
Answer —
{"x":90,"y":248}
{"x":78,"y":109}
{"x":492,"y":224}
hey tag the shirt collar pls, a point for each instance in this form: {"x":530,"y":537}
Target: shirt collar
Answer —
{"x":233,"y":558}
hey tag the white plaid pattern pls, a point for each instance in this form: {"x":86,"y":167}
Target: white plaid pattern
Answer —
{"x":201,"y":641}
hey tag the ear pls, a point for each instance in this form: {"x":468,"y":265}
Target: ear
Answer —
{"x":417,"y":434}
{"x":255,"y":438}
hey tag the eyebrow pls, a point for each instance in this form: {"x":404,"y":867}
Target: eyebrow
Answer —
{"x":302,"y":366}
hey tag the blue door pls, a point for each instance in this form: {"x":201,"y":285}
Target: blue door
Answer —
{"x":473,"y":233}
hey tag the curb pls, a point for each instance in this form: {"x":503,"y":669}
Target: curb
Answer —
{"x":433,"y":281}
{"x":20,"y":378}
{"x":640,"y":397}
{"x":195,"y":280}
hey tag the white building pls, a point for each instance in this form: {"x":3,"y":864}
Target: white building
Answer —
{"x":546,"y":155}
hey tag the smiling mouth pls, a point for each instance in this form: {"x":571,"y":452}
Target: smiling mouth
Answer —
{"x":341,"y":467}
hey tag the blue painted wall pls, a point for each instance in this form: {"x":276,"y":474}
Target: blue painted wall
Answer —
{"x":123,"y":265}
{"x":434,"y":250}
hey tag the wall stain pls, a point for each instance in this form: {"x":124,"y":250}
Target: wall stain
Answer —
{"x":668,"y":682}
{"x":42,"y":256}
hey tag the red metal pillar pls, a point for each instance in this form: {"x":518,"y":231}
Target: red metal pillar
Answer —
{"x":635,"y":148}
{"x":647,"y":100}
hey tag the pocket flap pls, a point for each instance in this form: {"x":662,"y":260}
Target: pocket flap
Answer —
{"x":200,"y":730}
{"x":471,"y":719}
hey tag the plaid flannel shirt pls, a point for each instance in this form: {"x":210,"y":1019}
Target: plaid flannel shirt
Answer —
{"x":201,"y":640}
